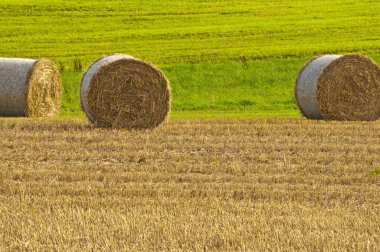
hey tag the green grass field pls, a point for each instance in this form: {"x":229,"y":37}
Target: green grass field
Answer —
{"x":220,"y":56}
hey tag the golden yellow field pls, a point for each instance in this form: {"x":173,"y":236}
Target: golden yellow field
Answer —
{"x":191,"y":184}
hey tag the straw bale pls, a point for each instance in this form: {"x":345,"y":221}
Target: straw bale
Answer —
{"x":120,"y":91}
{"x":29,"y":87}
{"x":336,"y":87}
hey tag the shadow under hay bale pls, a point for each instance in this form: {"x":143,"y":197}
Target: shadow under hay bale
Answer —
{"x":29,"y":87}
{"x":120,"y":91}
{"x":336,"y":87}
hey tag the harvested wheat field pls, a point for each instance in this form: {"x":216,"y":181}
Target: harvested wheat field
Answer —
{"x":199,"y":184}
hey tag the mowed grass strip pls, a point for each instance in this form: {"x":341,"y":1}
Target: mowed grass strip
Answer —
{"x":215,"y":184}
{"x":171,"y":32}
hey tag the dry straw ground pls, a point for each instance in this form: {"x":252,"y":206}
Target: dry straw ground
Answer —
{"x":217,"y":184}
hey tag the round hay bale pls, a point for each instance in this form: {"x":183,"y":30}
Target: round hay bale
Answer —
{"x":120,"y":91}
{"x":29,"y":87}
{"x":336,"y":87}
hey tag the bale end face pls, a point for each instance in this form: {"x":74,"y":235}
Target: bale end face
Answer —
{"x":349,"y":89}
{"x":44,"y":90}
{"x":120,"y":91}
